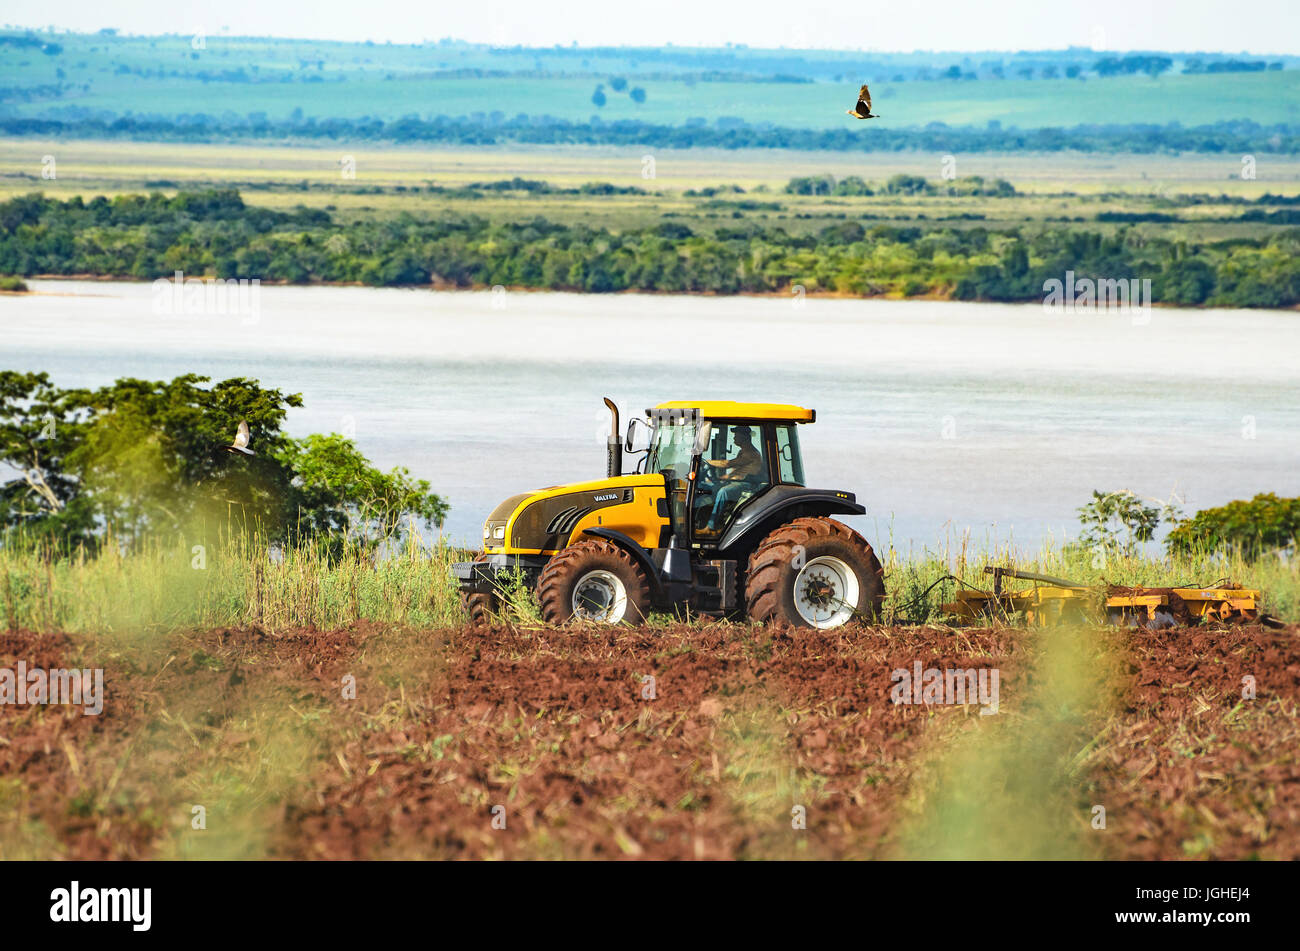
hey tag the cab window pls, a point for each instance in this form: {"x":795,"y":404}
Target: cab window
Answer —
{"x":789,"y":464}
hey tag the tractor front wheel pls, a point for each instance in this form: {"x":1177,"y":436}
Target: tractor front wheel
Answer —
{"x":479,"y":606}
{"x":593,"y":580}
{"x":814,"y":572}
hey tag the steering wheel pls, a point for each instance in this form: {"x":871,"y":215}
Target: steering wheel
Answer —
{"x":710,"y":476}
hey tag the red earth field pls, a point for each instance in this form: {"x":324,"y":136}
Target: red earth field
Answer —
{"x":750,"y":742}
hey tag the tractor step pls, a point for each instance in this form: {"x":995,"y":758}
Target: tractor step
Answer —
{"x":715,"y":586}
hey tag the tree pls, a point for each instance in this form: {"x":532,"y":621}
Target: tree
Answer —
{"x":1265,"y":523}
{"x":39,"y":427}
{"x":1117,"y":521}
{"x":146,"y":457}
{"x":341,"y":491}
{"x":637,"y":94}
{"x":902,"y":184}
{"x":1189,"y":281}
{"x":811,"y":185}
{"x":598,"y":97}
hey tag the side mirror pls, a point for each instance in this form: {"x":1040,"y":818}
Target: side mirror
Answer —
{"x":702,"y":437}
{"x":629,"y":443}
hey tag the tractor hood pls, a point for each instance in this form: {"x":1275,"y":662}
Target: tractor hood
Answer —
{"x":543,"y":520}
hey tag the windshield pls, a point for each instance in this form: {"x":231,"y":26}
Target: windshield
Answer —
{"x":671,"y":455}
{"x":670,"y":449}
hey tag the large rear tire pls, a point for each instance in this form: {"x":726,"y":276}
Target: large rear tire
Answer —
{"x":593,"y":580}
{"x":814,"y":572}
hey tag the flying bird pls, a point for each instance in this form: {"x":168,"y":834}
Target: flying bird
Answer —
{"x":863,"y":109}
{"x":241,"y":440}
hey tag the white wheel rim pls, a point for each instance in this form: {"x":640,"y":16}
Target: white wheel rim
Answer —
{"x":599,"y":596}
{"x":826,"y":592}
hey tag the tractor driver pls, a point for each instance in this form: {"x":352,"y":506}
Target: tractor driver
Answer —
{"x":735,"y":474}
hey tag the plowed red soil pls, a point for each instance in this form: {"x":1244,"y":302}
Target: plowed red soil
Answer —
{"x":1196,"y":769}
{"x":510,"y":743}
{"x":559,"y":735}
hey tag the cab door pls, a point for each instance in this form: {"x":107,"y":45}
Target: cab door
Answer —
{"x":735,"y":468}
{"x":673,"y":455}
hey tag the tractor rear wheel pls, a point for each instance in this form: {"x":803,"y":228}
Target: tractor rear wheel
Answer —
{"x":593,"y":580}
{"x":814,"y":572}
{"x":480,"y":607}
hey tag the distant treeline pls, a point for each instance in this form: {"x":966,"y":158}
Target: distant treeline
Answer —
{"x":853,"y":185}
{"x":214,"y":234}
{"x":282,"y":56}
{"x":1236,"y":137}
{"x":536,"y":187}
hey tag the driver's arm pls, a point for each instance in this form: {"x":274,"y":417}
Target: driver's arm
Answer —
{"x":724,"y":465}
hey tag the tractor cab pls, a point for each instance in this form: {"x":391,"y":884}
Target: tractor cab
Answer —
{"x":719,"y":456}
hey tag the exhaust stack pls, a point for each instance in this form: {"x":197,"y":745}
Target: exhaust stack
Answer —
{"x":614,"y":442}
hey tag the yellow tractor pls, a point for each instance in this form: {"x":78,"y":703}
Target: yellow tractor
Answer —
{"x":714,"y":517}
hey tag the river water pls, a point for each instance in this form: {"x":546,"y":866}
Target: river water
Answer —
{"x":944,"y":418}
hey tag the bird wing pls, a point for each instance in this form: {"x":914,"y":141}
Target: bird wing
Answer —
{"x":241,"y":437}
{"x":865,"y":95}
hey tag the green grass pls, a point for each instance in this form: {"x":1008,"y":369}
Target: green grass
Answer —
{"x":964,"y":807}
{"x":240,"y":581}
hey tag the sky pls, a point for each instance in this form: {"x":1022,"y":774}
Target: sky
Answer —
{"x":1252,"y":26}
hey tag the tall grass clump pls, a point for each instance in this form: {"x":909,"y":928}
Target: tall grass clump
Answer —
{"x":237,"y":579}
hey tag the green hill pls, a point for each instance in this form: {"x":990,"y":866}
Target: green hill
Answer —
{"x":105,"y":76}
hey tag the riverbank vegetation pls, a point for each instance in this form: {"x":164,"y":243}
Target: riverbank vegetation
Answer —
{"x":214,"y":233}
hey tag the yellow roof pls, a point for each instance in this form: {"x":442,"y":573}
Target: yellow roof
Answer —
{"x":730,"y":409}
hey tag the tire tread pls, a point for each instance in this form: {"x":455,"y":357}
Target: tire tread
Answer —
{"x":763,"y":578}
{"x":563,"y":568}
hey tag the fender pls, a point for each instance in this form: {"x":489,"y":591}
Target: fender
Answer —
{"x":780,"y":504}
{"x":632,"y":548}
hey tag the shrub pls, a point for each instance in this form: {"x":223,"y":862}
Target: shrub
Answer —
{"x":1264,"y":523}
